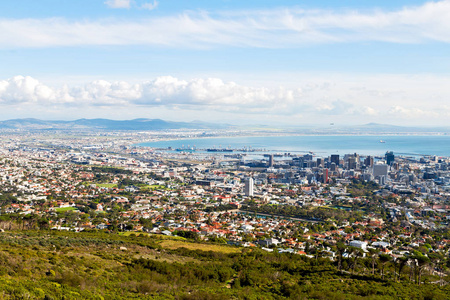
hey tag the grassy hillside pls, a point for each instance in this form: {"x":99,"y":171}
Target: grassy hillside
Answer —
{"x":95,"y":265}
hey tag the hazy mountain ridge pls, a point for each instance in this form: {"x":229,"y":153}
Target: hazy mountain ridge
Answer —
{"x":106,"y":124}
{"x":143,"y":124}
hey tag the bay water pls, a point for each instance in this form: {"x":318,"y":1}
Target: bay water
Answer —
{"x":321,"y":145}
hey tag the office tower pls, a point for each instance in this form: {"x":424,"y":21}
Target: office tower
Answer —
{"x":389,"y":157}
{"x":320,"y":162}
{"x":368,"y":161}
{"x":351,"y":163}
{"x":333,"y":167}
{"x":335,"y":159}
{"x":325,"y":176}
{"x":307,"y":157}
{"x":380,"y":170}
{"x":248,"y":188}
{"x":271,"y":160}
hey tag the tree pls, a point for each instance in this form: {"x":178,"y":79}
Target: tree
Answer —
{"x":422,"y":262}
{"x":353,"y":253}
{"x":340,"y":249}
{"x":435,"y":260}
{"x":412,"y":264}
{"x":319,"y":253}
{"x":384,"y":259}
{"x":373,"y":254}
{"x":401,"y":262}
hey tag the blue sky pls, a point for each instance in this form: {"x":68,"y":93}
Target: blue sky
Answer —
{"x":274,"y":62}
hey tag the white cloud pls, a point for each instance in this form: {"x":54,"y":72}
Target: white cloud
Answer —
{"x":118,"y":3}
{"x":412,"y":112}
{"x":24,"y":89}
{"x":289,"y":27}
{"x":369,"y":111}
{"x":150,"y":5}
{"x":211,"y":93}
{"x":313,"y":100}
{"x":337,"y":107}
{"x":344,"y":108}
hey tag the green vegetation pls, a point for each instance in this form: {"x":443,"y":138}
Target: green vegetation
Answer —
{"x":63,"y":209}
{"x":152,"y":187}
{"x":312,"y":213}
{"x":173,"y":244}
{"x":223,"y":207}
{"x":111,"y":170}
{"x":361,"y":188}
{"x":100,"y":265}
{"x":107,"y":185}
{"x":7,"y":199}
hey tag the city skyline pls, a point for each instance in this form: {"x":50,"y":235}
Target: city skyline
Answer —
{"x":308,"y":63}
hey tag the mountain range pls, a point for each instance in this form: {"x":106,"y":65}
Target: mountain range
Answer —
{"x":106,"y":124}
{"x":158,"y":125}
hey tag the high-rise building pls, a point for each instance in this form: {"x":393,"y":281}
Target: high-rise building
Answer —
{"x":325,"y":176}
{"x":271,"y":161}
{"x":320,"y":162}
{"x":333,"y":167}
{"x":380,"y":170}
{"x":368,"y":161}
{"x":335,"y":159}
{"x":352,"y":163}
{"x":248,"y":188}
{"x":307,"y":157}
{"x":390,"y":157}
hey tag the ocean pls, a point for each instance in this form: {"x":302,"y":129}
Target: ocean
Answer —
{"x":323,"y":145}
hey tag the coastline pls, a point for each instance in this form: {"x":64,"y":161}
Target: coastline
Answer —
{"x":291,"y":134}
{"x":365,"y":144}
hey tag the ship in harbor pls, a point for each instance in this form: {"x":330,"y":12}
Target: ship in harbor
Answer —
{"x":186,"y":149}
{"x":219,"y":150}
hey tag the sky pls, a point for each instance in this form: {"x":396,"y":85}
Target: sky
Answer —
{"x":279,"y":62}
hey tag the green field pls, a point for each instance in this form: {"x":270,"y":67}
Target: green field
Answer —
{"x":153,"y":187}
{"x":176,"y":244}
{"x":152,"y":235}
{"x":62,"y":209}
{"x":107,"y":185}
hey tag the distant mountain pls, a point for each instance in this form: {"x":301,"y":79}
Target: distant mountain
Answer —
{"x":158,"y":124}
{"x":106,"y":124}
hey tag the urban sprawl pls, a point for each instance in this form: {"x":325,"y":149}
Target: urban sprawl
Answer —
{"x":285,"y":202}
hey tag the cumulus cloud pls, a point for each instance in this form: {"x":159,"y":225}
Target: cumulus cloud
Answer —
{"x":118,"y":3}
{"x":212,"y":93}
{"x":22,"y":89}
{"x":174,"y":93}
{"x":287,"y":27}
{"x":217,"y":95}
